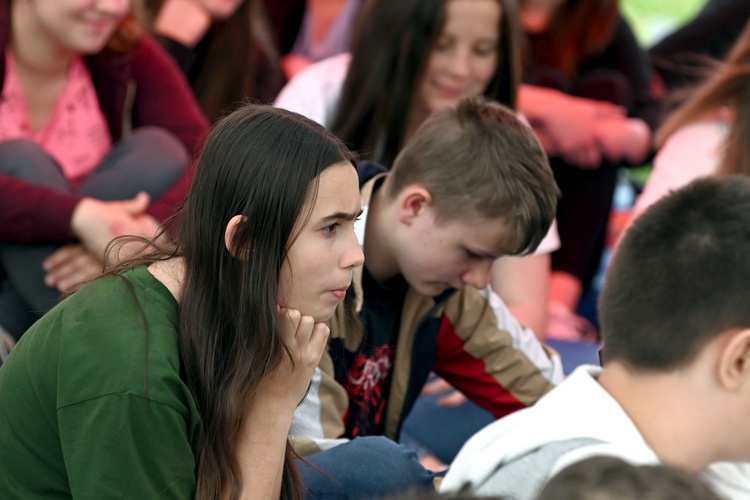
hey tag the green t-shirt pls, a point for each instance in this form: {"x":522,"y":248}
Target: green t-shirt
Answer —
{"x":91,"y":401}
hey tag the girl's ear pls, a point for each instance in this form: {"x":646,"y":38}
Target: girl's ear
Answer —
{"x":230,"y":231}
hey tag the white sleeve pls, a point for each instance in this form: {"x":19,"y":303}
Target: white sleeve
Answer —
{"x":551,"y":241}
{"x":547,"y":361}
{"x":729,"y":480}
{"x":315,"y":91}
{"x":308,"y":428}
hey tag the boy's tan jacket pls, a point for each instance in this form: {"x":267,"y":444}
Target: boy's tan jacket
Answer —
{"x":517,"y":368}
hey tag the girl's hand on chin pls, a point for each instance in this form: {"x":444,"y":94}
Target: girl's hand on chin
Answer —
{"x":307,"y":341}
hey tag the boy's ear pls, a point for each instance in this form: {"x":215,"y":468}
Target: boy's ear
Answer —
{"x":734,"y":360}
{"x":412,"y":202}
{"x":230,"y":231}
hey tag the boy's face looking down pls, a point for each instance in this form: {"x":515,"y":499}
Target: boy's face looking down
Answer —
{"x":434,"y":255}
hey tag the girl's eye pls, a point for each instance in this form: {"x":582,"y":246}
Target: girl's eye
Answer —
{"x":442,"y":44}
{"x":485,"y":51}
{"x":330,"y":229}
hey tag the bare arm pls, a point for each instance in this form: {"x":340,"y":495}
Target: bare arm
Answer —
{"x":266,"y":427}
{"x":624,"y":140}
{"x":523,"y":284}
{"x":566,"y":125}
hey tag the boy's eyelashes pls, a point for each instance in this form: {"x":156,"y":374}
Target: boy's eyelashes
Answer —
{"x":472,"y":255}
{"x":481,"y":256}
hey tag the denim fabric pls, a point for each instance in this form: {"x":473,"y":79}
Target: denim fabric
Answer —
{"x":364,"y":468}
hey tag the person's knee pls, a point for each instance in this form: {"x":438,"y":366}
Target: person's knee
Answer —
{"x":366,"y":467}
{"x":154,"y":159}
{"x":399,"y":459}
{"x":22,"y":158}
{"x":160,"y":144}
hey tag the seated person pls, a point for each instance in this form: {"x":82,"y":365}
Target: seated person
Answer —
{"x":88,"y":115}
{"x":472,"y":185}
{"x":177,"y":374}
{"x":675,"y":382}
{"x":707,"y":134}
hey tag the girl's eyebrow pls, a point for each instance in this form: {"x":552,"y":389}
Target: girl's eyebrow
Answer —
{"x":345,"y":216}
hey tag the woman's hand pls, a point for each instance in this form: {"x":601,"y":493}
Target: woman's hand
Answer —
{"x":566,"y":125}
{"x":624,"y":139}
{"x":96,"y":223}
{"x":261,"y":447}
{"x":69,"y":266}
{"x":307,"y":341}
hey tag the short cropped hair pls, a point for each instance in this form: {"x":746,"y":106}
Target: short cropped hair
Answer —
{"x":610,"y":478}
{"x":480,"y":159}
{"x":680,"y":277}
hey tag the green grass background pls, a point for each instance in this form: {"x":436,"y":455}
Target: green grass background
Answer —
{"x":652,"y":19}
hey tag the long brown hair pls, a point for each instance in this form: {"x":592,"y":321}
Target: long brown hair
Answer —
{"x":262,"y":163}
{"x":259,"y":162}
{"x":129,"y":31}
{"x":387,"y":67}
{"x":577,"y":30}
{"x":729,"y":86}
{"x":241,"y":62}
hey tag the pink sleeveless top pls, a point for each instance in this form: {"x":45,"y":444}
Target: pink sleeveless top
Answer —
{"x":76,"y":134}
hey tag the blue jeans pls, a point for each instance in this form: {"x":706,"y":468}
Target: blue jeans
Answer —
{"x":440,"y":430}
{"x":364,"y":468}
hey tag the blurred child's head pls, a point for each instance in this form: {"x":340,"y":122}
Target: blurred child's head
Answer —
{"x":609,"y":478}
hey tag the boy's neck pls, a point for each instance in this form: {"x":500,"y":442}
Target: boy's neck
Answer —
{"x":380,"y":257}
{"x":669,"y":410}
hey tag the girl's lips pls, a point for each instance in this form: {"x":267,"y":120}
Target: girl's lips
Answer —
{"x":99,"y":25}
{"x":339,"y":294}
{"x":448,"y":92}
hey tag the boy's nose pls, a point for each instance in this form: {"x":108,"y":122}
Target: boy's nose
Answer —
{"x":479,"y":275}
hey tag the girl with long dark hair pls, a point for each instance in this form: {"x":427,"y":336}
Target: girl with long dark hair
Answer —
{"x":177,"y":375}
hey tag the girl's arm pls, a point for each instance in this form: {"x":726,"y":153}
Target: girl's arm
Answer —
{"x":266,"y":427}
{"x":523,"y":284}
{"x":34,"y":214}
{"x":565,"y":124}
